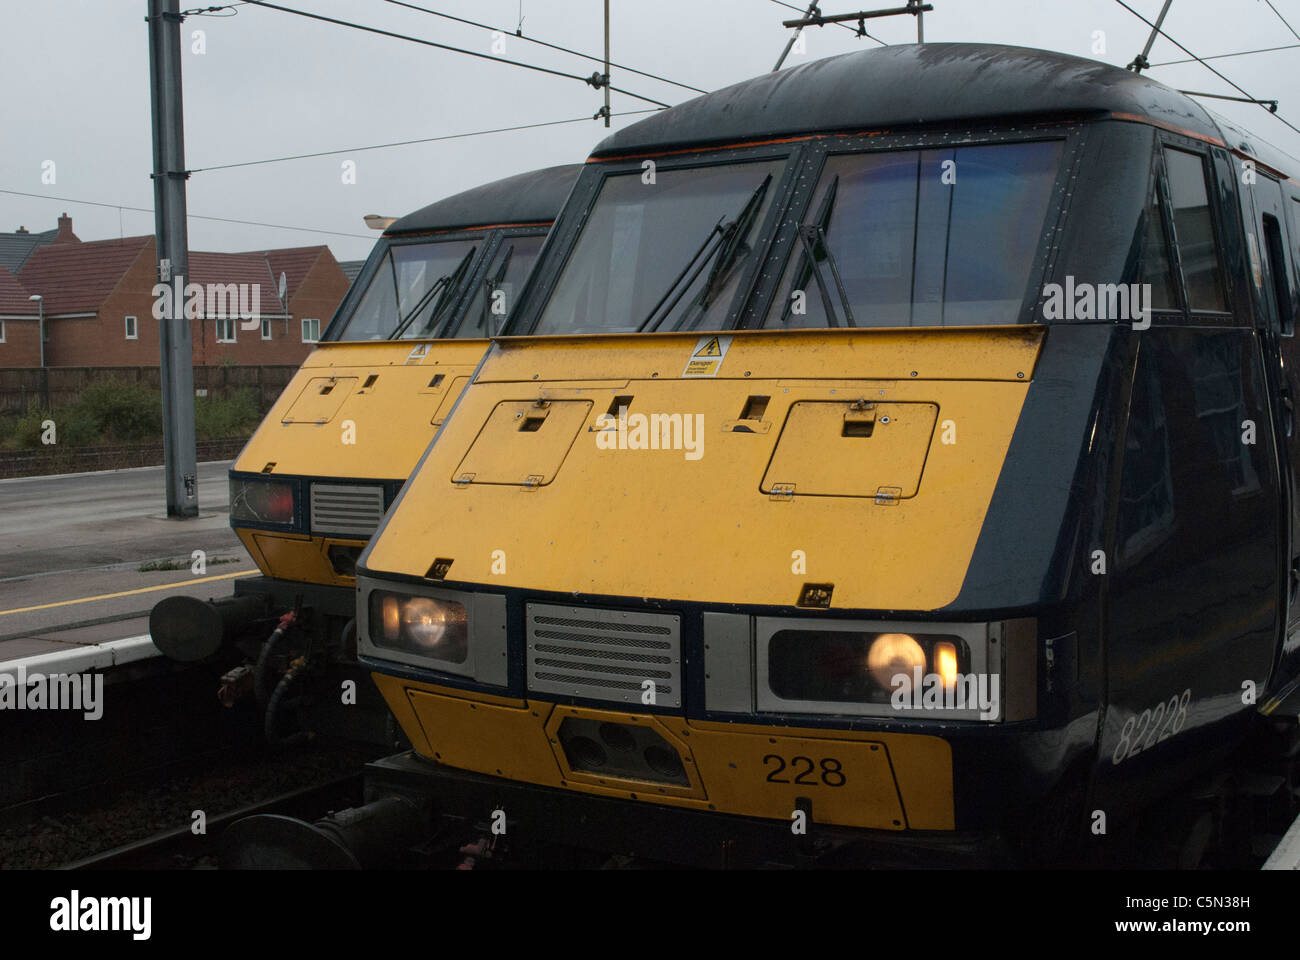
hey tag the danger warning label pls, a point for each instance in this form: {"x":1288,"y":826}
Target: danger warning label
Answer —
{"x":706,"y":358}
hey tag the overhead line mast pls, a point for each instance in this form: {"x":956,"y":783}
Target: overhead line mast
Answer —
{"x":176,"y":373}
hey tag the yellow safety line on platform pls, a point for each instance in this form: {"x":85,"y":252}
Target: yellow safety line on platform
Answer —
{"x":129,"y":593}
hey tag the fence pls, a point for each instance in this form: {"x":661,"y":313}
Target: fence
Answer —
{"x":52,"y":460}
{"x":27,"y":388}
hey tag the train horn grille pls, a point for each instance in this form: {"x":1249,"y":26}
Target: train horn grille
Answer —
{"x":610,"y":655}
{"x":352,"y":510}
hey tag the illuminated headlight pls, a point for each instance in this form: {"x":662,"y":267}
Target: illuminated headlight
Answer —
{"x":425,"y":626}
{"x":254,"y":500}
{"x":875,"y":668}
{"x":841,"y":666}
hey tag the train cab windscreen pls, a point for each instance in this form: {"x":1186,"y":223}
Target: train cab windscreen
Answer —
{"x":493,"y":302}
{"x":663,"y":250}
{"x":412,"y":291}
{"x":919,"y":238}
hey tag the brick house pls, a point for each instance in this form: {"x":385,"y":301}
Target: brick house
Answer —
{"x":99,"y":303}
{"x":16,"y":247}
{"x":19,"y":346}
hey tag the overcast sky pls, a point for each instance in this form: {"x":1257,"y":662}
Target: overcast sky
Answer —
{"x":270,"y":84}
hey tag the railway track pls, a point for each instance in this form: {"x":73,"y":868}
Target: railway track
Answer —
{"x":182,"y":848}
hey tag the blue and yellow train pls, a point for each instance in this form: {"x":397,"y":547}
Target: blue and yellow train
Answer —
{"x":311,"y":485}
{"x":903,"y":447}
{"x":890,"y":460}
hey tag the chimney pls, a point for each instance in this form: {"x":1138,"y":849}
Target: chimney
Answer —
{"x":65,"y":234}
{"x":21,"y":230}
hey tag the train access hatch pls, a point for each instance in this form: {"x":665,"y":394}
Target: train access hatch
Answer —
{"x":851,"y":449}
{"x":523,"y":442}
{"x":320,"y":400}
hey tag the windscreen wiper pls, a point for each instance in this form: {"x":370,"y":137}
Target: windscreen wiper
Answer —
{"x":734,"y":243}
{"x":810,"y":265}
{"x":730,"y":237}
{"x":493,"y":285}
{"x":420,"y":304}
{"x":442,"y":283}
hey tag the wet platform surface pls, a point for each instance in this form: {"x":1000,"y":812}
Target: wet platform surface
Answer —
{"x":84,"y":557}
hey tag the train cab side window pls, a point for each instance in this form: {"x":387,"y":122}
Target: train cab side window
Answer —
{"x":1157,"y":262}
{"x":1198,"y":247}
{"x":1277,"y":268}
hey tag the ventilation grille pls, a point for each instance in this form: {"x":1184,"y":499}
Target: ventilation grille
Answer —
{"x":350,"y":510}
{"x":604,"y":654}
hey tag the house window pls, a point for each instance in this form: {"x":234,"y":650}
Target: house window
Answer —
{"x":2,"y":331}
{"x":226,"y":329}
{"x":266,"y":329}
{"x":132,"y":331}
{"x":310,"y":329}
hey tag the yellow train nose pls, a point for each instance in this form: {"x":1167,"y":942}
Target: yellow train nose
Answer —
{"x":853,"y":779}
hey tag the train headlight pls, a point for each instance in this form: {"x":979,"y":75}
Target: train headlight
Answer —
{"x":426,"y":626}
{"x":857,"y":666}
{"x":891,"y":654}
{"x":945,"y":663}
{"x":897,"y":669}
{"x":254,"y":500}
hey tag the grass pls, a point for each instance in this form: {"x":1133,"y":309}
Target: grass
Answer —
{"x":180,"y":563}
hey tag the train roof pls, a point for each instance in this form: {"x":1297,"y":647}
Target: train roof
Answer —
{"x":907,"y":85}
{"x":533,"y":197}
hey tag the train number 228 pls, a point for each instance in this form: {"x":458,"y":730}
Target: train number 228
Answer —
{"x":1150,"y":727}
{"x":805,"y":771}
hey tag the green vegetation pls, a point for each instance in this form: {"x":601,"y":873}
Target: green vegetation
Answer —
{"x":219,"y":418}
{"x":180,"y":563}
{"x":113,"y":412}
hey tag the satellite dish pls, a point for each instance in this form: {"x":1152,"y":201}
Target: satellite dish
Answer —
{"x":284,"y":285}
{"x":375,"y":222}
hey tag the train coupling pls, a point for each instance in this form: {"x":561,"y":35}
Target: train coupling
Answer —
{"x":352,"y":839}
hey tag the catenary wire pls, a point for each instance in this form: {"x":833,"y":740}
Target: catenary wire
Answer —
{"x":445,"y":46}
{"x":403,"y":143}
{"x":543,"y":43}
{"x":1245,"y":93}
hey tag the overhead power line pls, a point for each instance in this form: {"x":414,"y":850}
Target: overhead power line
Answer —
{"x":594,"y":80}
{"x":1202,"y":62}
{"x":543,"y":43}
{"x":404,"y":143}
{"x":192,"y":216}
{"x":1283,"y":19}
{"x":1225,"y":56}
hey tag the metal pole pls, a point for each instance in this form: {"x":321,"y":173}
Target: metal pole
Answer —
{"x":40,"y":327}
{"x":793,"y":37}
{"x":1140,"y":61}
{"x":607,"y":63}
{"x":920,"y":26}
{"x":172,"y":239}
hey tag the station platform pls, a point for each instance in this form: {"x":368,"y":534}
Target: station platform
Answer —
{"x":84,"y":557}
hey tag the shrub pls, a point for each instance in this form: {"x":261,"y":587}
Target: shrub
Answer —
{"x":221,"y":418}
{"x":113,"y":412}
{"x":122,"y":412}
{"x":72,"y":429}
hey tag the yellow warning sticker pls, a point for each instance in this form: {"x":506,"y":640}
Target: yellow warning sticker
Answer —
{"x":706,"y":358}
